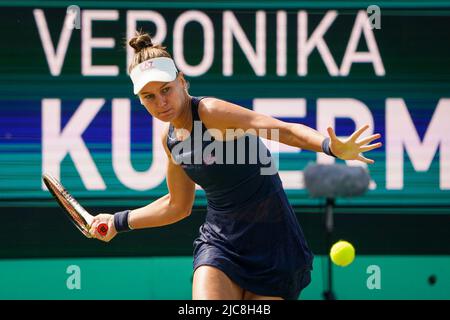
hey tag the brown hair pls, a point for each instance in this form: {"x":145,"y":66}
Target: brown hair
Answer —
{"x":144,"y":49}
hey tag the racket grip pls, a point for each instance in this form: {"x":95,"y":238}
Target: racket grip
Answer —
{"x":102,"y":228}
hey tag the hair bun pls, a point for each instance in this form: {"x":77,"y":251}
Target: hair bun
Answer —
{"x":140,"y":41}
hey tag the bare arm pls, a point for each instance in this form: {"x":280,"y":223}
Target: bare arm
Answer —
{"x":224,"y":115}
{"x":174,"y":206}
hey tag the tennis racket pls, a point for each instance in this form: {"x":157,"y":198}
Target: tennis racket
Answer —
{"x":75,"y":212}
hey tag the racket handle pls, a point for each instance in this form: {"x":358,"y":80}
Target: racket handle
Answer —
{"x":102,"y":228}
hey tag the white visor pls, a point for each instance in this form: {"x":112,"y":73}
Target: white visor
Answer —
{"x":160,"y":69}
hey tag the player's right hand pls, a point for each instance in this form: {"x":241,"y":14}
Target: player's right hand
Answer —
{"x":103,"y":218}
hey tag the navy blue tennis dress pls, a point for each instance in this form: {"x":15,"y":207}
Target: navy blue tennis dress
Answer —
{"x":251,"y":232}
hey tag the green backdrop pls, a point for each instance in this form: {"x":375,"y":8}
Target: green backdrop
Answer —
{"x":400,"y":226}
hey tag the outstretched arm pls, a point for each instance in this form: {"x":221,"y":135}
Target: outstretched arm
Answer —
{"x":222,"y":115}
{"x":174,"y":206}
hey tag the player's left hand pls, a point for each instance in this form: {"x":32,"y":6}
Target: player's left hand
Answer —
{"x":350,"y":149}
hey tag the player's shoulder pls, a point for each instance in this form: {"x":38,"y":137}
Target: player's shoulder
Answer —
{"x":210,"y":105}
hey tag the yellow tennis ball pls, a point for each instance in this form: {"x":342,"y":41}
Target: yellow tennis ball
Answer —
{"x":342,"y":253}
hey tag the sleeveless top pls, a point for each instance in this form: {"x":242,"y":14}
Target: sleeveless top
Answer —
{"x":232,"y":173}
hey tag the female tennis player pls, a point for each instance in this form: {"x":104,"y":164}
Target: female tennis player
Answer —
{"x":251,"y":245}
